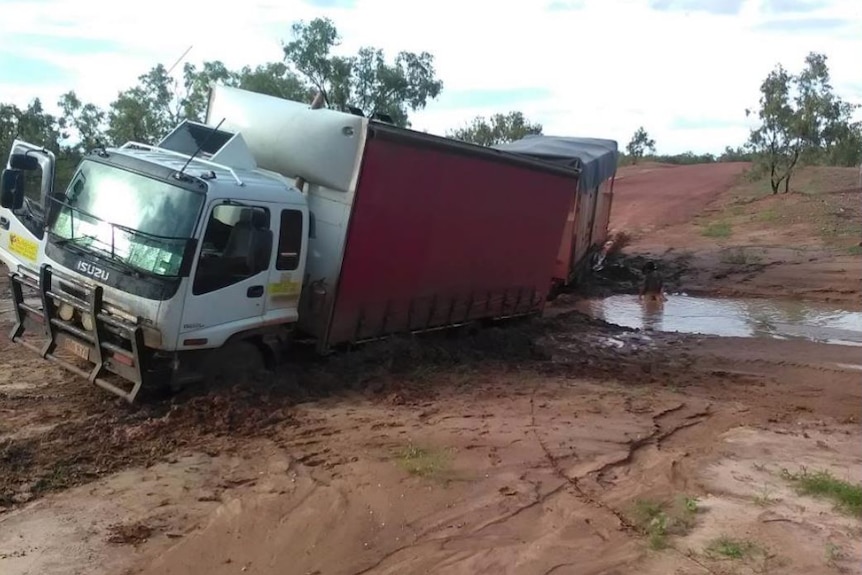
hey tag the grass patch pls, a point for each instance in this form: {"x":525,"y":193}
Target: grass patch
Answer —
{"x":855,"y":250}
{"x":847,"y":496}
{"x":657,"y":520}
{"x":834,"y":554}
{"x":423,"y":462}
{"x":731,"y":548}
{"x":764,"y":497}
{"x":739,"y":257}
{"x":768,"y":216}
{"x":717,"y":230}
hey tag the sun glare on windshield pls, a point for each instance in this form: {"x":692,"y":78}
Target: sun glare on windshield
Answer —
{"x":136,"y":219}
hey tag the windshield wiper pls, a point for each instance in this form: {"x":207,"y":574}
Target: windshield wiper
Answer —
{"x":73,"y":240}
{"x":132,"y":270}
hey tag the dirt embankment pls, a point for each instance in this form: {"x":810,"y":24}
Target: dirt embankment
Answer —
{"x":561,"y":445}
{"x":720,"y":233}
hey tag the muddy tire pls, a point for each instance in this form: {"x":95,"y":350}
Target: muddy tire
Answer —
{"x":237,"y":362}
{"x":555,"y":290}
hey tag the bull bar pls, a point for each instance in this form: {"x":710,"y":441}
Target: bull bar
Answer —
{"x":111,"y":343}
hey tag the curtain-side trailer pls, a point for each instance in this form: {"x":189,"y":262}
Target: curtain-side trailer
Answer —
{"x":411,"y":231}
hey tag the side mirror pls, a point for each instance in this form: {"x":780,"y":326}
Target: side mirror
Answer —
{"x":261,"y":250}
{"x":12,"y":189}
{"x":24,"y":162}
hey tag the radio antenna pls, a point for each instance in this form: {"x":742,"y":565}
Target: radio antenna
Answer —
{"x":180,"y":59}
{"x":201,"y":146}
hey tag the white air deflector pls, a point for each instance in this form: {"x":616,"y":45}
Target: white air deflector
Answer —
{"x":216,"y":145}
{"x":321,"y":146}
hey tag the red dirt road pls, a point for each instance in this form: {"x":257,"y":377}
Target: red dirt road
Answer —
{"x":655,"y":195}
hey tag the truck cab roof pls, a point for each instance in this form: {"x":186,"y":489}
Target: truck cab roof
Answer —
{"x":205,"y":176}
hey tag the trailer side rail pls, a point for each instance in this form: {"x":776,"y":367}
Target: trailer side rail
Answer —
{"x":434,"y":313}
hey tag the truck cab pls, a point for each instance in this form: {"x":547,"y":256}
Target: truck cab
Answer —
{"x":157,"y":255}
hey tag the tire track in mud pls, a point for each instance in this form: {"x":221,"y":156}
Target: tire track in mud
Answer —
{"x":657,"y":436}
{"x":654,"y":438}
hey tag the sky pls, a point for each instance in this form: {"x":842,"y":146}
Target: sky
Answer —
{"x":685,"y":70}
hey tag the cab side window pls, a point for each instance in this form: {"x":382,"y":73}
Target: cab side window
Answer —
{"x":32,"y":213}
{"x":237,"y":245}
{"x":33,"y":185}
{"x":289,"y":240}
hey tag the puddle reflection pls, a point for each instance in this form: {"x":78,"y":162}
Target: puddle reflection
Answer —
{"x":731,"y":317}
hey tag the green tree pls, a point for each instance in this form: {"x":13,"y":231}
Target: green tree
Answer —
{"x":197,"y":85}
{"x":829,"y":134}
{"x":366,"y":80}
{"x":31,"y":124}
{"x":87,"y":120}
{"x":498,"y":129}
{"x":776,"y":141}
{"x":158,"y":102}
{"x":639,"y":144}
{"x":146,"y":112}
{"x":275,"y":79}
{"x":738,"y":154}
{"x":802,"y":120}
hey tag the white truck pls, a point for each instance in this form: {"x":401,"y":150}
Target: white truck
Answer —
{"x":204,"y":255}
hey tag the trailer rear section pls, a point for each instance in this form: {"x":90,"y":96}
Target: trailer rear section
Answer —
{"x":443,"y":233}
{"x":586,"y":227}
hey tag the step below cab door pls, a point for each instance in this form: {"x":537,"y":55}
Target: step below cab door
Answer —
{"x":229,"y":278}
{"x":26,"y":184}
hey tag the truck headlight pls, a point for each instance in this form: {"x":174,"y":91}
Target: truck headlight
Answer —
{"x":66,"y":311}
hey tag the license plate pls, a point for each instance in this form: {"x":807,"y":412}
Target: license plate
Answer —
{"x":78,"y":349}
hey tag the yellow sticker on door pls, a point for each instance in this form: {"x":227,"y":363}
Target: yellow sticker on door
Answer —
{"x":286,"y":288}
{"x":23,"y":247}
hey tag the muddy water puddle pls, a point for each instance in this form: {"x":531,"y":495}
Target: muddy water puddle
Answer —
{"x":731,"y":317}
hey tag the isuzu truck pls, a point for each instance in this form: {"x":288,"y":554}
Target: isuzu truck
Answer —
{"x":207,"y":254}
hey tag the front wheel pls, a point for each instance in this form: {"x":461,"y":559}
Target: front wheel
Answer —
{"x":234,"y":363}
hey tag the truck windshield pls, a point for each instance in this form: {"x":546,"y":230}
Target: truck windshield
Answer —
{"x":143,"y":222}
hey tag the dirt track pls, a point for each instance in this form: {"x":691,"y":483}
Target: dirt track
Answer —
{"x":658,"y":195}
{"x":534,"y":448}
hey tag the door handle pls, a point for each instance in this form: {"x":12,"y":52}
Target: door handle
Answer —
{"x":254,"y":291}
{"x":4,"y":223}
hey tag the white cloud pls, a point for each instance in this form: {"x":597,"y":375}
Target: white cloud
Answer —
{"x":609,"y":67}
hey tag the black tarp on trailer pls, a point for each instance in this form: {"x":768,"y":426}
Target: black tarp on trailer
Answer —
{"x":595,"y":157}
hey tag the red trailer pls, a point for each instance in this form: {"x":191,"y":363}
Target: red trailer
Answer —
{"x":589,"y":208}
{"x":443,"y":233}
{"x":408,"y":231}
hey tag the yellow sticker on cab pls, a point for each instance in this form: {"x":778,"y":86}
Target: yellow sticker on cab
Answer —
{"x":23,"y":247}
{"x":284,"y":288}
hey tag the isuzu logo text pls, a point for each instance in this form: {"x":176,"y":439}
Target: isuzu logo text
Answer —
{"x":92,"y":271}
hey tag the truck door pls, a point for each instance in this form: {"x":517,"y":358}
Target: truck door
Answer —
{"x":22,"y":229}
{"x":285,"y":280}
{"x":229,"y":279}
